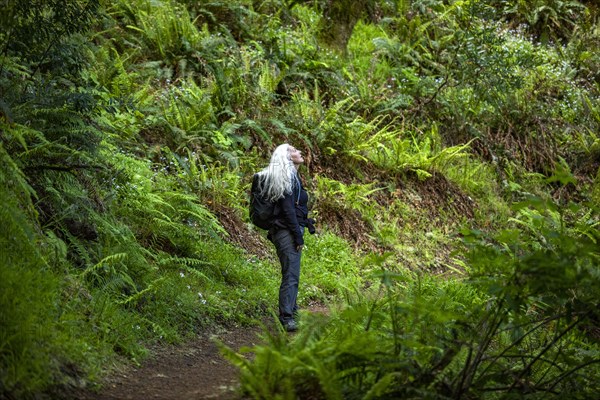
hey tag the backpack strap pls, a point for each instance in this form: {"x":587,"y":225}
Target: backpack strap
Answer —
{"x":299,"y":184}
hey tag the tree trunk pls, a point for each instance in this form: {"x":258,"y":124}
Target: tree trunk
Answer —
{"x":339,"y":18}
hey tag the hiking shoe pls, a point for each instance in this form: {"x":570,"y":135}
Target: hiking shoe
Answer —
{"x":290,"y":326}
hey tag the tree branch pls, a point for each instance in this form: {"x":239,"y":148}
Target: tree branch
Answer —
{"x":545,"y":349}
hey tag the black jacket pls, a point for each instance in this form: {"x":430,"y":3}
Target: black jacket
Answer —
{"x":292,"y":212}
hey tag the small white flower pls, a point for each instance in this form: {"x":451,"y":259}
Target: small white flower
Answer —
{"x":181,"y":274}
{"x":199,"y":294}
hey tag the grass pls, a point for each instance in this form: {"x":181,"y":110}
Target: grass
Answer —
{"x":329,"y":267}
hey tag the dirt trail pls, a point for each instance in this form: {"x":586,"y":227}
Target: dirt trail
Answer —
{"x":190,"y":371}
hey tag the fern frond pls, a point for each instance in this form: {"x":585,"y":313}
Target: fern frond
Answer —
{"x":184,"y":261}
{"x":157,"y":329}
{"x":115,"y":282}
{"x":108,"y":260}
{"x":13,"y":177}
{"x":188,"y":264}
{"x":151,"y":288}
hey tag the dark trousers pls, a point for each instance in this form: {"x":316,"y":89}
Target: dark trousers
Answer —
{"x":289,"y":258}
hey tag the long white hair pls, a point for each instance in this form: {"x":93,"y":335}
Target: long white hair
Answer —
{"x":278,"y":176}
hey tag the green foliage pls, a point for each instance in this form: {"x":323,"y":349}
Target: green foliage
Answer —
{"x":166,"y":30}
{"x":339,"y":18}
{"x":458,"y":65}
{"x":35,"y":30}
{"x":158,"y":214}
{"x":27,"y":289}
{"x":217,"y":185}
{"x":510,"y":329}
{"x":224,"y":16}
{"x":375,"y":344}
{"x":544,"y":281}
{"x":581,"y":48}
{"x":546,"y":19}
{"x":127,"y":131}
{"x":353,"y":196}
{"x":329,"y":267}
{"x":388,"y":148}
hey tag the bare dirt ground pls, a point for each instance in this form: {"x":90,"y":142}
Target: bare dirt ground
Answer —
{"x":189,"y":371}
{"x":192,"y":370}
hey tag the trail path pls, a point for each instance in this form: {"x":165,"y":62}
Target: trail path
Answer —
{"x":193,"y":370}
{"x":190,"y":371}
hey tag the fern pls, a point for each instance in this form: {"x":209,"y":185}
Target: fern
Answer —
{"x":157,"y":330}
{"x":111,"y":274}
{"x":385,"y":147}
{"x":185,"y":262}
{"x":151,"y":288}
{"x":160,"y":32}
{"x":353,"y":196}
{"x":102,"y":264}
{"x":25,"y":273}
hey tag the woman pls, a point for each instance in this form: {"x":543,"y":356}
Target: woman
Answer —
{"x":282,"y":185}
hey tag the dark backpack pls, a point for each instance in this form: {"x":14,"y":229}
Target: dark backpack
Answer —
{"x":262,"y":211}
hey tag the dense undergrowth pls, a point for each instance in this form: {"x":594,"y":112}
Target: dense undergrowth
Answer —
{"x":452,"y":156}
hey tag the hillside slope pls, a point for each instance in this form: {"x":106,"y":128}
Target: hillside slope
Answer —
{"x":450,"y":140}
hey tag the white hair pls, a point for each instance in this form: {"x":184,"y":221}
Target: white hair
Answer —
{"x":278,"y":175}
